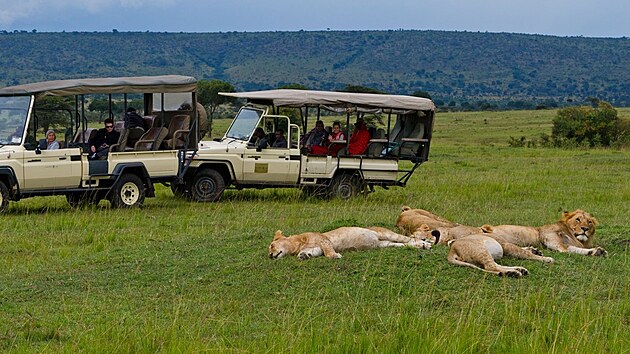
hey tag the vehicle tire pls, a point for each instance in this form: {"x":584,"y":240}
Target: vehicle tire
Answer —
{"x":346,"y":186}
{"x":4,"y":197}
{"x":207,"y":186}
{"x":127,"y":192}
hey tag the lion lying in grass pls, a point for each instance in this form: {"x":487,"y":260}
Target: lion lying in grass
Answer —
{"x":481,"y":251}
{"x":573,"y":233}
{"x":418,"y":223}
{"x":329,"y":244}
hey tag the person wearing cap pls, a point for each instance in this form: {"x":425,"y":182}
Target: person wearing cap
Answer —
{"x":133,"y":119}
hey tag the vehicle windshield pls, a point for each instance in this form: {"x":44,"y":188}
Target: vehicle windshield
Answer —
{"x":244,"y":124}
{"x":13,"y":112}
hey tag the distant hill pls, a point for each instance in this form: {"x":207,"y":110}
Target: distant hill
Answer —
{"x":456,"y":68}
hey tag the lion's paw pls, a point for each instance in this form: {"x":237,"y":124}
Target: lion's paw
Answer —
{"x":522,"y":270}
{"x":336,"y":255}
{"x":548,"y":260}
{"x":533,"y":250}
{"x":304,"y":256}
{"x":598,"y":251}
{"x":419,"y":244}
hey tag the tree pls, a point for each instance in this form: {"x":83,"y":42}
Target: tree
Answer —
{"x":52,"y":111}
{"x":360,"y":89}
{"x":586,"y":125}
{"x":423,"y":94}
{"x":208,"y":94}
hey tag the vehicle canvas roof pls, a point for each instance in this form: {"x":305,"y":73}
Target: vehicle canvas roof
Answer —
{"x":135,"y":84}
{"x":335,"y":100}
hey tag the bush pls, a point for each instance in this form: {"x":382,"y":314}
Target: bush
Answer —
{"x":586,"y":126}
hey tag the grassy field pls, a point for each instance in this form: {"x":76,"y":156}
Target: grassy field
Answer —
{"x":176,"y":276}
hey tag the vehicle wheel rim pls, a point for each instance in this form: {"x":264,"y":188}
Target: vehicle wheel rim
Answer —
{"x":345,"y":190}
{"x":205,"y":187}
{"x":129,"y":193}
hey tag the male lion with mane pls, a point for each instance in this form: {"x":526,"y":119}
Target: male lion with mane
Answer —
{"x":573,"y":233}
{"x":329,"y":244}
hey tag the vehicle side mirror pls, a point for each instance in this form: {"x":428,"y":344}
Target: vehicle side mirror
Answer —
{"x":38,"y":151}
{"x":258,"y":149}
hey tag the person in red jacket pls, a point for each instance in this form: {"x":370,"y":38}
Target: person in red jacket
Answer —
{"x":359,"y":139}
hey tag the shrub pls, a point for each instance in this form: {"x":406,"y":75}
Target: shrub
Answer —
{"x":583,"y":125}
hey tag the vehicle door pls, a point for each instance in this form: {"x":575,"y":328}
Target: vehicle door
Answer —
{"x":273,"y":165}
{"x":51,"y":169}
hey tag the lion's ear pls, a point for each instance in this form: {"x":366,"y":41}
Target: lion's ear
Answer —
{"x":567,"y":215}
{"x":424,"y":228}
{"x":405,"y":208}
{"x":487,"y":228}
{"x":278,"y":235}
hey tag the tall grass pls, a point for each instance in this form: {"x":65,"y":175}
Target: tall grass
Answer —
{"x":177,"y":276}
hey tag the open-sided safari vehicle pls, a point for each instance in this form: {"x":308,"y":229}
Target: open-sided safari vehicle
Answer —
{"x":128,"y":173}
{"x":399,"y":141}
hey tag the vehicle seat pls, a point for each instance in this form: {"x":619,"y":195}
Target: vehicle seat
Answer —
{"x":119,"y":125}
{"x":84,"y":136}
{"x":377,"y":143}
{"x":149,"y":122}
{"x":151,"y":140}
{"x":122,"y":141}
{"x":177,"y":131}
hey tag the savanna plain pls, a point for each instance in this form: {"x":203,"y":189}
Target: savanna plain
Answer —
{"x":177,"y":276}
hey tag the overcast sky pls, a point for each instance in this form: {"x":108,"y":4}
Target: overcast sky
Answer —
{"x":589,"y":18}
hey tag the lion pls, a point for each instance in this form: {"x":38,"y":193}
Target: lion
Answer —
{"x":410,"y":220}
{"x":480,"y":251}
{"x":418,"y":223}
{"x":314,"y":244}
{"x":573,"y":233}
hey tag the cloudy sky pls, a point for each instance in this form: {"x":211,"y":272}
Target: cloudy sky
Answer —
{"x":589,"y":18}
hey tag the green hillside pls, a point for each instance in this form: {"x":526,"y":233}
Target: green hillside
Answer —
{"x":452,"y":66}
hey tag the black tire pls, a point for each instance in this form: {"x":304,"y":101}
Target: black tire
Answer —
{"x":128,"y":192}
{"x":4,"y":197}
{"x":207,"y":186}
{"x":346,"y":186}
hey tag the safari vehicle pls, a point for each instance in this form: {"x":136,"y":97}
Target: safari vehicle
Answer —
{"x":129,"y":172}
{"x":233,"y":161}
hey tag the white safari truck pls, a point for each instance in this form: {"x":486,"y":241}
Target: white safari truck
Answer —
{"x":400,"y":137}
{"x":141,"y":157}
{"x":168,"y":148}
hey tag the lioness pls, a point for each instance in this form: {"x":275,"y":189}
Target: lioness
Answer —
{"x":573,"y":233}
{"x":314,"y":244}
{"x":480,"y":251}
{"x":410,"y":220}
{"x":417,"y":222}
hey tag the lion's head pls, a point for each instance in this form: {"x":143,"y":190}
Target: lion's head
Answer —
{"x":280,"y":246}
{"x":581,"y":224}
{"x":426,"y":233}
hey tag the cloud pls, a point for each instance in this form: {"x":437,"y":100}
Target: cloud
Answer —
{"x":12,"y":11}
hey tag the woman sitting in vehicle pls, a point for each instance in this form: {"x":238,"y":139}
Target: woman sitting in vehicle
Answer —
{"x":50,"y":143}
{"x":316,"y":140}
{"x":336,"y":136}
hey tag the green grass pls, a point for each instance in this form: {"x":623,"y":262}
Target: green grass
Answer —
{"x":185,"y":277}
